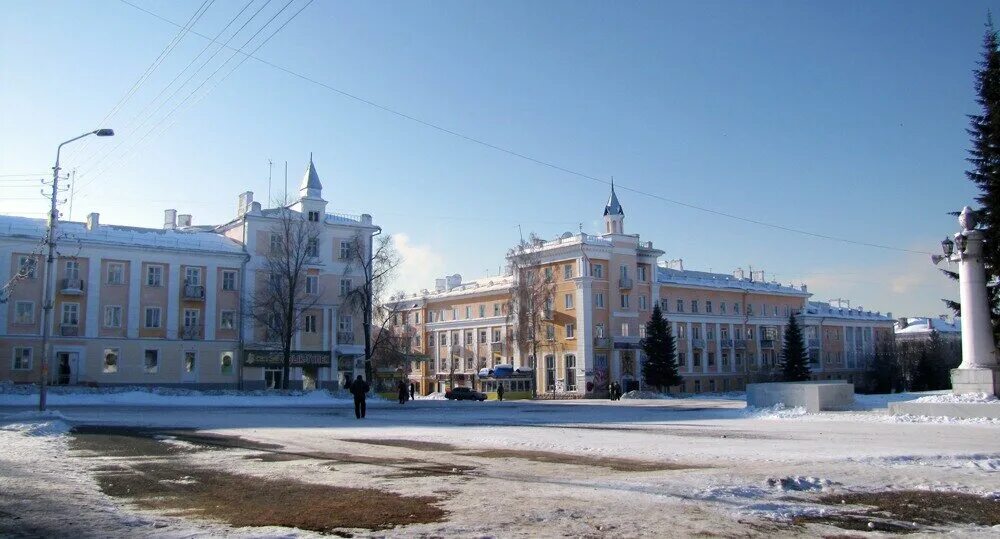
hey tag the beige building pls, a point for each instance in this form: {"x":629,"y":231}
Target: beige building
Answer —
{"x":729,"y":328}
{"x":142,"y":306}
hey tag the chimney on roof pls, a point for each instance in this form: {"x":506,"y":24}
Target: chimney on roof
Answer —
{"x":439,"y":285}
{"x":93,"y":220}
{"x":169,"y":219}
{"x":184,"y":220}
{"x":245,"y":203}
{"x":366,"y":219}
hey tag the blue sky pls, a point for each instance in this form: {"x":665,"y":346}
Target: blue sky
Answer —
{"x":846,"y":119}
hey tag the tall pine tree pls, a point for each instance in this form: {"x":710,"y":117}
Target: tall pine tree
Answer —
{"x":794,"y":361}
{"x":984,"y":158}
{"x":660,"y":348}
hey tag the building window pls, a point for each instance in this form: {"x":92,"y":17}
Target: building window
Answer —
{"x":309,"y":323}
{"x":711,"y":359}
{"x":416,"y":317}
{"x":229,"y":280}
{"x":314,"y":216}
{"x":496,"y":309}
{"x":192,"y":276}
{"x":570,"y":361}
{"x":72,"y":269}
{"x":736,"y":308}
{"x":191,"y":318}
{"x":312,"y":247}
{"x":642,"y":303}
{"x":151,"y":361}
{"x":623,"y":272}
{"x":570,"y":331}
{"x":641,"y":272}
{"x":227,"y":319}
{"x":345,"y":323}
{"x":624,"y":301}
{"x":550,"y":332}
{"x":454,"y":313}
{"x":468,"y":338}
{"x":430,"y":339}
{"x":624,"y":329}
{"x":116,"y":273}
{"x":468,"y":312}
{"x":775,"y":310}
{"x":694,"y":306}
{"x":599,"y":300}
{"x":725,"y":359}
{"x":568,"y":301}
{"x":444,"y":339}
{"x":664,"y":305}
{"x":711,"y":385}
{"x":550,"y":372}
{"x":724,"y":332}
{"x":696,"y":331}
{"x":22,"y":359}
{"x":599,"y":331}
{"x":26,"y":266}
{"x":597,"y":270}
{"x":112,"y":316}
{"x":24,"y":312}
{"x":345,"y":287}
{"x":152,"y":317}
{"x":696,"y":356}
{"x":568,"y":271}
{"x":710,"y":332}
{"x":708,"y":307}
{"x":681,"y":331}
{"x":722,"y":307}
{"x":749,"y":309}
{"x":739,"y":358}
{"x":642,"y":331}
{"x":276,"y":243}
{"x":154,"y":275}
{"x":190,"y":361}
{"x":226,"y":363}
{"x":482,"y":336}
{"x":482,"y":311}
{"x":681,"y":359}
{"x":70,"y":314}
{"x":680,"y":305}
{"x":496,"y":335}
{"x":110,"y":361}
{"x":312,"y":284}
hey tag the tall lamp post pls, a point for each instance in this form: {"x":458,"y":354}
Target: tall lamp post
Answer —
{"x":49,"y":285}
{"x":979,"y":371}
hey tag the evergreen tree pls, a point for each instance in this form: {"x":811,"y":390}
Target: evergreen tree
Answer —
{"x":923,"y":371}
{"x":984,"y":158}
{"x":660,"y":347}
{"x":794,"y":361}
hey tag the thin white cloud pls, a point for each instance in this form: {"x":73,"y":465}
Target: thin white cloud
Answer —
{"x":420,"y":265}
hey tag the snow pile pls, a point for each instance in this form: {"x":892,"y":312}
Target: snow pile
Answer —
{"x":38,"y":428}
{"x":964,"y":398}
{"x":652,"y":395}
{"x":799,"y":483}
{"x":432,"y":397}
{"x":174,"y":397}
{"x":762,"y":501}
{"x":778,"y":411}
{"x":975,"y":462}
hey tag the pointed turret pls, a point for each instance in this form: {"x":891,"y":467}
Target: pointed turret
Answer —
{"x":614,"y":215}
{"x":311,"y":186}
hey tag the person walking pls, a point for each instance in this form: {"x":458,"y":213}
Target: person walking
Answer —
{"x":413,"y":390}
{"x":401,"y":389}
{"x":359,"y":388}
{"x":611,"y":391}
{"x":500,"y":392}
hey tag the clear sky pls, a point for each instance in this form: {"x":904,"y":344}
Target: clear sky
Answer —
{"x":840,"y":118}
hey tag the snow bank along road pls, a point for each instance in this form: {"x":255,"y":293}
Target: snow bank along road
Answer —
{"x":529,"y":469}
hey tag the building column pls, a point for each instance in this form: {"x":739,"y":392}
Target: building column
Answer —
{"x":173,"y":300}
{"x":134,"y":285}
{"x":93,"y":299}
{"x":585,"y":330}
{"x":690,"y":347}
{"x":211,"y":295}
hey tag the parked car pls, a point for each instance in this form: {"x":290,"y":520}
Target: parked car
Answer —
{"x":484,"y":372}
{"x":464,"y":394}
{"x":501,"y":371}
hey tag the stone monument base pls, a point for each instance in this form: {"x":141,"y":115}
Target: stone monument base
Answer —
{"x":958,"y":410}
{"x":976,"y":380}
{"x":814,"y":396}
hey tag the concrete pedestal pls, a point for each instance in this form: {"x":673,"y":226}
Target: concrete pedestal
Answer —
{"x":814,"y":396}
{"x":976,"y":380}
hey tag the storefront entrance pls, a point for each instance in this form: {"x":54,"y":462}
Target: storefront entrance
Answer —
{"x":67,"y":368}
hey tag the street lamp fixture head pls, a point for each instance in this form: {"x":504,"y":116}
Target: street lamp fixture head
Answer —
{"x":105,"y":132}
{"x":960,"y":242}
{"x":947,"y":246}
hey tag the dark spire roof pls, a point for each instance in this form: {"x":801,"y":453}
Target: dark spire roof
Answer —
{"x":613,"y":207}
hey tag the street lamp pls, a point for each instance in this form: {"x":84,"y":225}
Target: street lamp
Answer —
{"x":49,"y":285}
{"x":948,"y":247}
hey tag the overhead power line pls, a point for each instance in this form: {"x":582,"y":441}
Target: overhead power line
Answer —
{"x":542,"y":162}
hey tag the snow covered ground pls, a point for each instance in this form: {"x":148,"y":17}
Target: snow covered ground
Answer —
{"x":739,"y":471}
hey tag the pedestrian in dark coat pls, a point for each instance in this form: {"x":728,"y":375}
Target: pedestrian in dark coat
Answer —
{"x":611,"y":391}
{"x":401,"y":389}
{"x":500,"y":392}
{"x":413,"y":390}
{"x":359,"y":388}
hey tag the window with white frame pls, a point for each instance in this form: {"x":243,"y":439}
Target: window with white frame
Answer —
{"x":736,"y":308}
{"x":24,"y":312}
{"x":70,"y":314}
{"x":276,"y":243}
{"x":430,"y":339}
{"x":597,"y":270}
{"x":192,"y":318}
{"x":152,"y":317}
{"x":151,"y":361}
{"x":190,"y":361}
{"x":548,"y":274}
{"x":496,"y":335}
{"x":568,"y":271}
{"x":116,"y":273}
{"x":550,"y":332}
{"x":496,"y":309}
{"x":623,"y":272}
{"x":345,"y":250}
{"x":345,"y":323}
{"x":227,"y":319}
{"x":26,"y":266}
{"x":22,"y":358}
{"x":313,"y":216}
{"x":642,"y":331}
{"x":708,"y":306}
{"x":694,"y":306}
{"x":72,"y":269}
{"x":229,"y":280}
{"x":309,"y":323}
{"x":599,"y":300}
{"x":722,"y":307}
{"x":482,"y":311}
{"x":664,"y":305}
{"x":641,"y":272}
{"x":192,"y":276}
{"x":345,"y":287}
{"x":312,"y":247}
{"x":642,"y":303}
{"x":468,"y":312}
{"x":312,"y":284}
{"x":110,"y":365}
{"x":696,"y":358}
{"x":154,"y":275}
{"x":599,"y":331}
{"x":112,"y":316}
{"x":710,"y":332}
{"x":625,"y":331}
{"x":682,"y":331}
{"x":568,"y":301}
{"x":570,"y":331}
{"x":696,"y":331}
{"x":570,"y":362}
{"x":680,"y":305}
{"x":624,"y":301}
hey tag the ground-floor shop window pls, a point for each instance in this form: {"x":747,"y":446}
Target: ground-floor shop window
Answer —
{"x":151,"y":361}
{"x":226,"y":363}
{"x":272,"y":378}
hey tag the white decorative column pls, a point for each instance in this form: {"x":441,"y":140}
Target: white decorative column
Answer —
{"x":134,"y":283}
{"x":979,"y":372}
{"x":585,"y":331}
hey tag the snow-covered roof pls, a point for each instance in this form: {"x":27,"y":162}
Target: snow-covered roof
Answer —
{"x":923,"y":325}
{"x":824,"y":309}
{"x":188,"y":239}
{"x":484,"y":285}
{"x":310,"y":180}
{"x":704,"y":279}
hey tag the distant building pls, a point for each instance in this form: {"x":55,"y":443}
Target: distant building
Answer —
{"x":149,"y":306}
{"x":729,"y":328}
{"x":921,"y":328}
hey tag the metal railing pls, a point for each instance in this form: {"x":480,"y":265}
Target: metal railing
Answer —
{"x":189,"y":333}
{"x":740,"y":343}
{"x":726,"y":342}
{"x":602,"y":342}
{"x":194,"y":291}
{"x":345,"y":337}
{"x":67,"y":330}
{"x":698,"y":343}
{"x":625,"y":283}
{"x":72,"y":286}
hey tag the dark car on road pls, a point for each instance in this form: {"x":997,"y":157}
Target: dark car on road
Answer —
{"x":464,"y":394}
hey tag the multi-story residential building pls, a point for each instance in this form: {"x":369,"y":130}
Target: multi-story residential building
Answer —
{"x":921,"y":329}
{"x":138,"y":306}
{"x":729,"y":328}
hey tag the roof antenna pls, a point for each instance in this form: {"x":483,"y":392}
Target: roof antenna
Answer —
{"x":269,"y":165}
{"x":285,"y":202}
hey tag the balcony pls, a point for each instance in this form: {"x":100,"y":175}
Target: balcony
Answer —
{"x":71,"y":287}
{"x":740,"y":343}
{"x":767,"y":343}
{"x":625,"y":283}
{"x":67,"y":330}
{"x":190,"y":333}
{"x":345,"y":337}
{"x":602,"y":342}
{"x":547,"y":314}
{"x":697,"y":343}
{"x":726,"y":343}
{"x":194,"y":292}
{"x":497,"y":347}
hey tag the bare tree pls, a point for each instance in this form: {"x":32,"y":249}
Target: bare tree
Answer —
{"x":279,"y":303}
{"x":393,"y":341}
{"x":378,"y":260}
{"x":530,"y":299}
